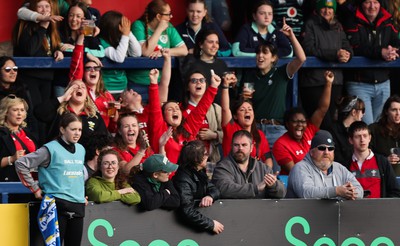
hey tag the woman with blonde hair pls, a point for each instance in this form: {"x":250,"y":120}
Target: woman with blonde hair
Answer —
{"x":15,"y":139}
{"x":74,"y":100}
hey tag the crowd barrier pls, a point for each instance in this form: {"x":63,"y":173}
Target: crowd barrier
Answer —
{"x":298,"y":222}
{"x":232,"y":62}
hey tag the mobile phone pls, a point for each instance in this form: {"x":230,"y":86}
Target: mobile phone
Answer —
{"x":395,"y":151}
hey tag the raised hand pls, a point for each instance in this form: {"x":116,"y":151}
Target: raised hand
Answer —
{"x":286,"y":29}
{"x":153,"y":74}
{"x":215,"y":79}
{"x":329,"y":76}
{"x":165,"y":137}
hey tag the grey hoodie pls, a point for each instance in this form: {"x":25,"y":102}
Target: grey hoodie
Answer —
{"x":306,"y":180}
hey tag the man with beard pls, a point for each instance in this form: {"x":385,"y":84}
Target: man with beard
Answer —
{"x":318,"y":176}
{"x":241,"y":176}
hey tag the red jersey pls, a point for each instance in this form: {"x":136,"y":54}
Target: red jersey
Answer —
{"x":143,"y":118}
{"x":76,"y":67}
{"x":204,"y":124}
{"x":30,"y":145}
{"x":101,"y":104}
{"x":369,"y":175}
{"x":128,"y":154}
{"x":286,"y":149}
{"x":230,"y":128}
{"x":192,"y":124}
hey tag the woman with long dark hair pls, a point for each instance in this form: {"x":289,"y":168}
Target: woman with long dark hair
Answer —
{"x":118,"y":42}
{"x":350,"y":109}
{"x":167,"y":119}
{"x":386,"y":132}
{"x":192,"y":184}
{"x":242,"y":119}
{"x":130,"y":143}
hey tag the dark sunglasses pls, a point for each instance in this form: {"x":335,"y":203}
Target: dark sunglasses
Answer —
{"x":323,"y":148}
{"x":167,"y":14}
{"x":361,"y":109}
{"x":90,"y":69}
{"x":11,"y":96}
{"x":194,"y":80}
{"x":8,"y":69}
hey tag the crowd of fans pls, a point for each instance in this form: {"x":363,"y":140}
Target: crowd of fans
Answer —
{"x":124,"y":134}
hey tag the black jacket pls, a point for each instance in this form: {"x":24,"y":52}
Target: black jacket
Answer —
{"x":151,"y":199}
{"x":47,"y":113}
{"x":194,"y":185}
{"x":323,"y":40}
{"x":368,"y":39}
{"x":7,"y":148}
{"x":389,"y":184}
{"x":343,"y":148}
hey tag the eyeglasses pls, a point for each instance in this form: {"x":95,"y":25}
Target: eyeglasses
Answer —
{"x":361,"y":109}
{"x":90,"y":69}
{"x":299,"y":122}
{"x":323,"y":148}
{"x":12,"y":96}
{"x":8,"y":69}
{"x":109,"y":163}
{"x":194,"y":80}
{"x":169,"y":14}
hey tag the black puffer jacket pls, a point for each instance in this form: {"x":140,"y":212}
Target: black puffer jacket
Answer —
{"x":194,"y":185}
{"x":323,"y":40}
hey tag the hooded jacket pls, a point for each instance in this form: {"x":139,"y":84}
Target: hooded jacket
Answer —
{"x":306,"y":180}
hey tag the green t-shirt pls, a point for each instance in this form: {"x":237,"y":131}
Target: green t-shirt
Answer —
{"x":269,"y":98}
{"x":114,"y":79}
{"x":170,"y":38}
